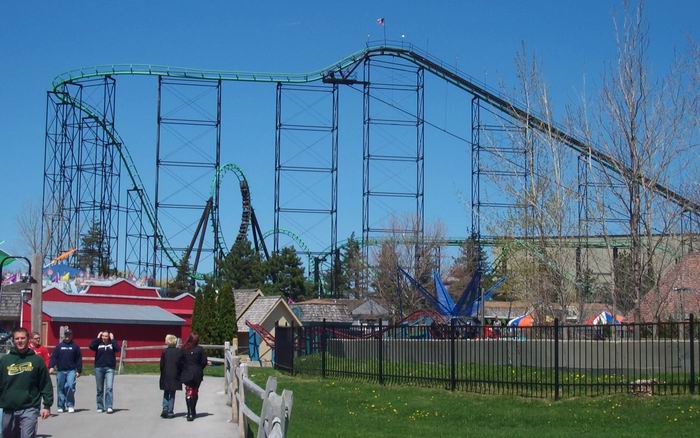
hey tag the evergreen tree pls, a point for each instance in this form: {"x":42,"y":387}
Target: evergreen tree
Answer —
{"x":286,"y":273}
{"x":198,"y":318}
{"x":225,"y":315}
{"x":93,"y":253}
{"x":464,"y":267}
{"x":351,"y":267}
{"x":242,"y":267}
{"x":204,"y":316}
{"x":183,"y":279}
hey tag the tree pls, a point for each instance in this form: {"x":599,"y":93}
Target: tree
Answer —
{"x":465,"y":265}
{"x":199,"y":313}
{"x":533,"y":178}
{"x":351,"y":268}
{"x":285,"y":272}
{"x":419,"y":258}
{"x":225,"y":315}
{"x":183,"y":279}
{"x":624,"y":292}
{"x":35,"y":229}
{"x":648,"y":125}
{"x":242,"y":267}
{"x":93,"y":253}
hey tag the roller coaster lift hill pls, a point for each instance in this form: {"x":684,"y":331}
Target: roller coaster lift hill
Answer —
{"x":86,"y":158}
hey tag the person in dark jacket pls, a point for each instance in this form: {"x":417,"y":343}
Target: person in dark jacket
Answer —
{"x":106,"y":349}
{"x":67,"y":362}
{"x":170,"y":369}
{"x":192,"y":373}
{"x":24,"y":382}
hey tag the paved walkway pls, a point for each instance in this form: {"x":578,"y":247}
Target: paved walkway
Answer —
{"x":137,"y":404}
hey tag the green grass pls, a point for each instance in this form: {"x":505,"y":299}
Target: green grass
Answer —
{"x":482,"y":378}
{"x":345,"y":409}
{"x":154,"y":368}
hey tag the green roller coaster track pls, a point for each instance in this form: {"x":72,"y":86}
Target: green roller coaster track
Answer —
{"x":344,"y":69}
{"x":245,"y":202}
{"x":295,"y":237}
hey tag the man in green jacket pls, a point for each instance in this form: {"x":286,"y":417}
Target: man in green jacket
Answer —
{"x":24,"y":382}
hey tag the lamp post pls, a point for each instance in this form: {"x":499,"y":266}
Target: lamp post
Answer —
{"x":29,"y":277}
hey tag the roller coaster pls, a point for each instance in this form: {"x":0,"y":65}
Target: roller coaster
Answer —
{"x":80,"y":130}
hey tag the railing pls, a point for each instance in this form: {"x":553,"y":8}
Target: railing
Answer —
{"x":123,"y":357}
{"x":549,"y":361}
{"x":276,"y":408}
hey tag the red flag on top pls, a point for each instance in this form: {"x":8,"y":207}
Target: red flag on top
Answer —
{"x":380,"y":21}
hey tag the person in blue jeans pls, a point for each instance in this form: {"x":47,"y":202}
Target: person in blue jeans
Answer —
{"x":67,"y":362}
{"x":106,"y":349}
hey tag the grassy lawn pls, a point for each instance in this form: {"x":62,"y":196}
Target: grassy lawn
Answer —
{"x":335,"y":408}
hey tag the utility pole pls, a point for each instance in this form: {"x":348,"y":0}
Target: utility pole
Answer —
{"x":37,"y":289}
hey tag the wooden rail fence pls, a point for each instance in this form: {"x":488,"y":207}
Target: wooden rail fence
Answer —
{"x":276,"y":408}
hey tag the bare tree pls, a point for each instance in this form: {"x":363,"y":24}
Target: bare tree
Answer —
{"x":543,"y":196}
{"x":646,"y":125}
{"x":29,"y":226}
{"x":417,"y":256}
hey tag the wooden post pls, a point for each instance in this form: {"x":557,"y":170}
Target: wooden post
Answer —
{"x":122,"y":356}
{"x":235,"y":389}
{"x":227,"y":366}
{"x":241,"y":373}
{"x":37,"y":290}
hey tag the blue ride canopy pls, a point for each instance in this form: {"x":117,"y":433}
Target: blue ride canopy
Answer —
{"x":468,"y":303}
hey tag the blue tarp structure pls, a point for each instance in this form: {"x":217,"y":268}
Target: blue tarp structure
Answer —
{"x":468,"y":303}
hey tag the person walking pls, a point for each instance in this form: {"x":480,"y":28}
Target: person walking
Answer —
{"x":192,"y":373}
{"x":106,"y":349}
{"x":39,"y":350}
{"x":171,"y":361}
{"x":24,"y":384}
{"x":67,"y":362}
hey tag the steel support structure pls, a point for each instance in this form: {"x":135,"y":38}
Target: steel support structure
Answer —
{"x":597,"y":215}
{"x":501,"y":167}
{"x":137,"y":242}
{"x":81,"y":188}
{"x":306,"y":147}
{"x":188,"y":155}
{"x":393,"y":135}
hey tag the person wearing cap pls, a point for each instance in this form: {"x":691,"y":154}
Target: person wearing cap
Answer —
{"x":67,"y":362}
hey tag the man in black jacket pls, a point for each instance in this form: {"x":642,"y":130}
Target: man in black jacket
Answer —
{"x":106,"y":349}
{"x":67,"y":362}
{"x":24,"y":382}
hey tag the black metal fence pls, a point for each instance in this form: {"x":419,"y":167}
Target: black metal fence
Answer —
{"x":549,"y":361}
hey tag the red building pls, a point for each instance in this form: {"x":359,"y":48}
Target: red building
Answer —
{"x":139,"y":315}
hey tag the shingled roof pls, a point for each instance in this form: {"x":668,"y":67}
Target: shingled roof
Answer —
{"x":257,"y":311}
{"x":10,"y":301}
{"x":317,"y":312}
{"x":243,"y":298}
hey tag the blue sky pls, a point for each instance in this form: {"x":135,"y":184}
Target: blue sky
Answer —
{"x":39,"y":40}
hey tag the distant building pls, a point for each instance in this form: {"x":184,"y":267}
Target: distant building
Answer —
{"x":262,"y":312}
{"x":138,"y":315}
{"x":314,"y":312}
{"x":678,"y":294}
{"x":10,"y":299}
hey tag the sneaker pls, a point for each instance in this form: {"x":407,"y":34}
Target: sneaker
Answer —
{"x":110,"y":410}
{"x":59,"y":410}
{"x":71,"y":410}
{"x":98,"y":410}
{"x":164,"y":414}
